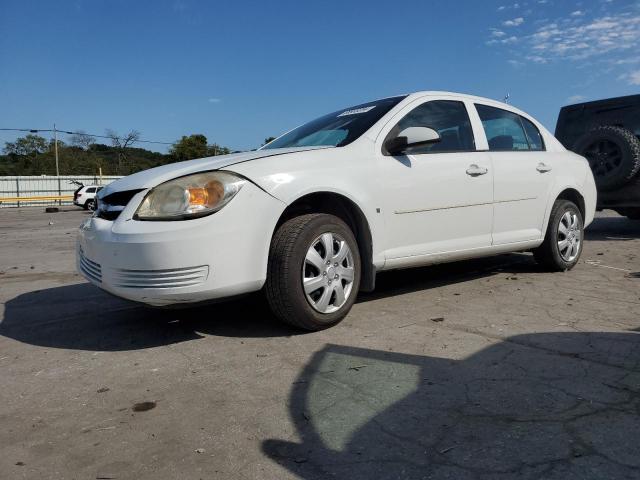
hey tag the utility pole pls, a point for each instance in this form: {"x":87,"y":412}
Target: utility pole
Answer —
{"x":55,"y":141}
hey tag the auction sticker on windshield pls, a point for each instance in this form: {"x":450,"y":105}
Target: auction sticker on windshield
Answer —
{"x":356,"y":111}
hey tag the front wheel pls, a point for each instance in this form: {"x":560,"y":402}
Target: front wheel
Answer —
{"x":563,"y":241}
{"x":313,"y":275}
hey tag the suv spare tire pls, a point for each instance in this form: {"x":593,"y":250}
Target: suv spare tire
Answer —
{"x":613,"y":154}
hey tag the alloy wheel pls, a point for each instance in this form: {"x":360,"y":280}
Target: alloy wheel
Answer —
{"x":569,"y":236}
{"x":328,"y":273}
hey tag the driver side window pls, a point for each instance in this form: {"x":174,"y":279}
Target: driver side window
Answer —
{"x":449,"y":118}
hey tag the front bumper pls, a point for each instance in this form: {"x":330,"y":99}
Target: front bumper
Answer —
{"x":172,"y":262}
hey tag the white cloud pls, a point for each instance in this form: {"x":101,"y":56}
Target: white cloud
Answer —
{"x":513,"y":23}
{"x":503,"y":41}
{"x":613,"y":33}
{"x":627,"y":61}
{"x":607,"y":42}
{"x":214,"y":100}
{"x":514,"y":6}
{"x":575,"y":98}
{"x":632,"y":78}
{"x":537,"y":59}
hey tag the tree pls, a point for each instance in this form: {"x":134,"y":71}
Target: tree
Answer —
{"x":82,"y":140}
{"x":28,"y":145}
{"x":121,"y":144}
{"x":215,"y":149}
{"x":187,"y":148}
{"x":35,"y":156}
{"x":51,"y":145}
{"x":268,"y":140}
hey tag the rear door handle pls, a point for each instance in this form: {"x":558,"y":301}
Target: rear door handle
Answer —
{"x":543,"y":167}
{"x":475,"y":171}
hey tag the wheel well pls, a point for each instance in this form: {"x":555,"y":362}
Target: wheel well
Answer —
{"x":575,"y":197}
{"x":345,"y":209}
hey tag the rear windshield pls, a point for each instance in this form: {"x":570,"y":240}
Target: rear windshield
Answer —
{"x":336,"y":129}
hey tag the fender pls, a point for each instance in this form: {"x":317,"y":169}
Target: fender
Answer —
{"x":315,"y":172}
{"x":565,"y":180}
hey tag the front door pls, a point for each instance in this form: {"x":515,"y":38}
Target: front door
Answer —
{"x":437,"y":198}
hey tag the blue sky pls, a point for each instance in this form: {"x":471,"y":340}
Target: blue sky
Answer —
{"x":241,"y":71}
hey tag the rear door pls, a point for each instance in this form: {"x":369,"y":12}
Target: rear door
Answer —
{"x":523,"y":175}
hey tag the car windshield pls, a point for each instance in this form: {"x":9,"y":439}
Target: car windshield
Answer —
{"x":338,"y":128}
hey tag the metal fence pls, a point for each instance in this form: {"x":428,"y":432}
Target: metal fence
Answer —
{"x":21,"y":191}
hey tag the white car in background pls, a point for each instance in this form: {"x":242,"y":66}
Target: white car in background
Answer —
{"x":312,"y":216}
{"x":85,"y":196}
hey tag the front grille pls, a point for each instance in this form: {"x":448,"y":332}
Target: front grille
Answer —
{"x":108,"y":212}
{"x":110,"y":206}
{"x":168,"y":278}
{"x":91,"y":269}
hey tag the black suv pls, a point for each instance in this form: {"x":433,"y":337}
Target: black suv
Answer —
{"x":607,"y":133}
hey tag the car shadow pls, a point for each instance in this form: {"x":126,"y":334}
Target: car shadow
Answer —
{"x":550,"y":405}
{"x":613,"y":228}
{"x":398,"y":282}
{"x":83,"y":317}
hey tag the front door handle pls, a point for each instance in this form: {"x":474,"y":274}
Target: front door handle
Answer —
{"x":475,"y":171}
{"x":543,"y":167}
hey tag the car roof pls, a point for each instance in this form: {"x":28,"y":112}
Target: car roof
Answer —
{"x":471,"y":98}
{"x":464,"y":96}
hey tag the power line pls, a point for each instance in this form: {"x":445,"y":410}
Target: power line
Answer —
{"x":37,"y":130}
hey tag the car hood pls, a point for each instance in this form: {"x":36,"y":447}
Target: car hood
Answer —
{"x":155,"y":176}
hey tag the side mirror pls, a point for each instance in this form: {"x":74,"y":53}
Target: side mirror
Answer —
{"x":411,"y":137}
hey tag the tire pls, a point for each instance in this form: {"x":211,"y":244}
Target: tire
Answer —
{"x":550,"y":255}
{"x":631,"y":213}
{"x":89,"y":204}
{"x":288,"y":265}
{"x":613,"y":154}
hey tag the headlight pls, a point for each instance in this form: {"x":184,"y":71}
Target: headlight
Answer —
{"x":189,"y":197}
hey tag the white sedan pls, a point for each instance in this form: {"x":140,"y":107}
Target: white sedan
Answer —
{"x":312,"y":216}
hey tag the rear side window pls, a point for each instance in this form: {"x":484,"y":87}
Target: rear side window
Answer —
{"x":91,"y":190}
{"x":504,"y":129}
{"x":533,"y":135}
{"x":449,"y":118}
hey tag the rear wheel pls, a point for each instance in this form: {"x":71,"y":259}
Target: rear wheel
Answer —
{"x":613,"y":154}
{"x":563,"y":240}
{"x":314,"y":269}
{"x":90,"y":204}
